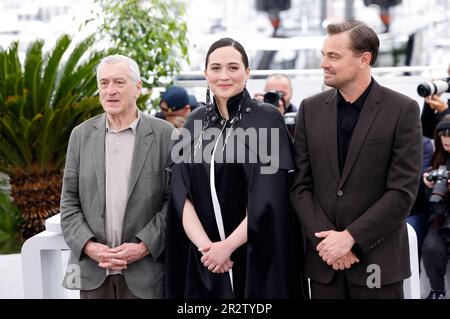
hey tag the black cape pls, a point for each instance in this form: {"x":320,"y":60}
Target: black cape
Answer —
{"x":268,"y":265}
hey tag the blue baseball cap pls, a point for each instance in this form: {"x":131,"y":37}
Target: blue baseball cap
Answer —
{"x":176,"y":98}
{"x":192,"y":101}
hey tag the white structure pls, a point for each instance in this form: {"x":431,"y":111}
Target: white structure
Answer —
{"x":411,"y":286}
{"x":42,"y":263}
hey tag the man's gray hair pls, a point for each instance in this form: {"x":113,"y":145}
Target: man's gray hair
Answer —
{"x":116,"y":58}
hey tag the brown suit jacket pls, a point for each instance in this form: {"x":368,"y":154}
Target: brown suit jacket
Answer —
{"x":376,"y":190}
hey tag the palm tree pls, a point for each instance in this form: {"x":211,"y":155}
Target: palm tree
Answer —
{"x":40,"y":103}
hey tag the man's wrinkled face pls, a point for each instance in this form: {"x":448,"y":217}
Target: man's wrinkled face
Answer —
{"x":118,"y":92}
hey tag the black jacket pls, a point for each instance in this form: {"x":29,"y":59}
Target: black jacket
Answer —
{"x":430,"y":118}
{"x":267,"y":266}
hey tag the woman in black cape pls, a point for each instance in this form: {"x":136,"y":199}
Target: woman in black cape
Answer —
{"x":230,"y":230}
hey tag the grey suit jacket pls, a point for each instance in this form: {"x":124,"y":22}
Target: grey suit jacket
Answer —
{"x":83,"y":204}
{"x":377,"y":187}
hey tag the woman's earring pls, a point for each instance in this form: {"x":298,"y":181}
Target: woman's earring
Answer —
{"x":208,"y":96}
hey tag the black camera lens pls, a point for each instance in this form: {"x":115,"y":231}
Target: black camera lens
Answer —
{"x":273,"y":97}
{"x":440,"y":189}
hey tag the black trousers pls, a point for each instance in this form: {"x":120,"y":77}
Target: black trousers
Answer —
{"x":341,"y":288}
{"x":114,"y":287}
{"x":435,"y":255}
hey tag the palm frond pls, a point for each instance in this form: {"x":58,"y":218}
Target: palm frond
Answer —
{"x":12,"y":157}
{"x":73,"y":85}
{"x":66,"y":83}
{"x":12,"y":131}
{"x":2,"y":79}
{"x":46,"y":103}
{"x":12,"y":71}
{"x":32,"y":76}
{"x":51,"y":70}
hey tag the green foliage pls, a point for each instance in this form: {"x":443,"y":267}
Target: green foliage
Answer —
{"x":10,"y":221}
{"x":152,"y":32}
{"x":42,"y":101}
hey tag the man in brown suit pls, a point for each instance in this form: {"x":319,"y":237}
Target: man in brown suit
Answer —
{"x":358,"y":154}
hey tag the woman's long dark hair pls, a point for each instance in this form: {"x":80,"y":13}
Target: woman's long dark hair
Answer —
{"x":440,"y":154}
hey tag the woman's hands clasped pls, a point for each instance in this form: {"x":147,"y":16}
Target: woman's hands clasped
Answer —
{"x":216,"y":256}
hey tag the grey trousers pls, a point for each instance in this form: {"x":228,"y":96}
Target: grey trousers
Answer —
{"x":114,"y":287}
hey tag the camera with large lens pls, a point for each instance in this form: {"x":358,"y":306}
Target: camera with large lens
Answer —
{"x":438,"y":200}
{"x":434,"y":87}
{"x":440,"y":176}
{"x":273,"y":97}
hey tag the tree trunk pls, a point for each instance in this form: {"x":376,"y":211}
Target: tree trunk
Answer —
{"x":37,"y":195}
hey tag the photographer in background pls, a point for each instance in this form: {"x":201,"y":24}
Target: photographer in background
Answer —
{"x":435,"y":248}
{"x":434,"y":109}
{"x":278,"y":92}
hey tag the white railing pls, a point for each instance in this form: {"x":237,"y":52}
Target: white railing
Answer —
{"x":42,"y":265}
{"x":411,"y":285}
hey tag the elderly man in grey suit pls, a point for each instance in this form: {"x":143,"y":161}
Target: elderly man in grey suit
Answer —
{"x":115,"y":192}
